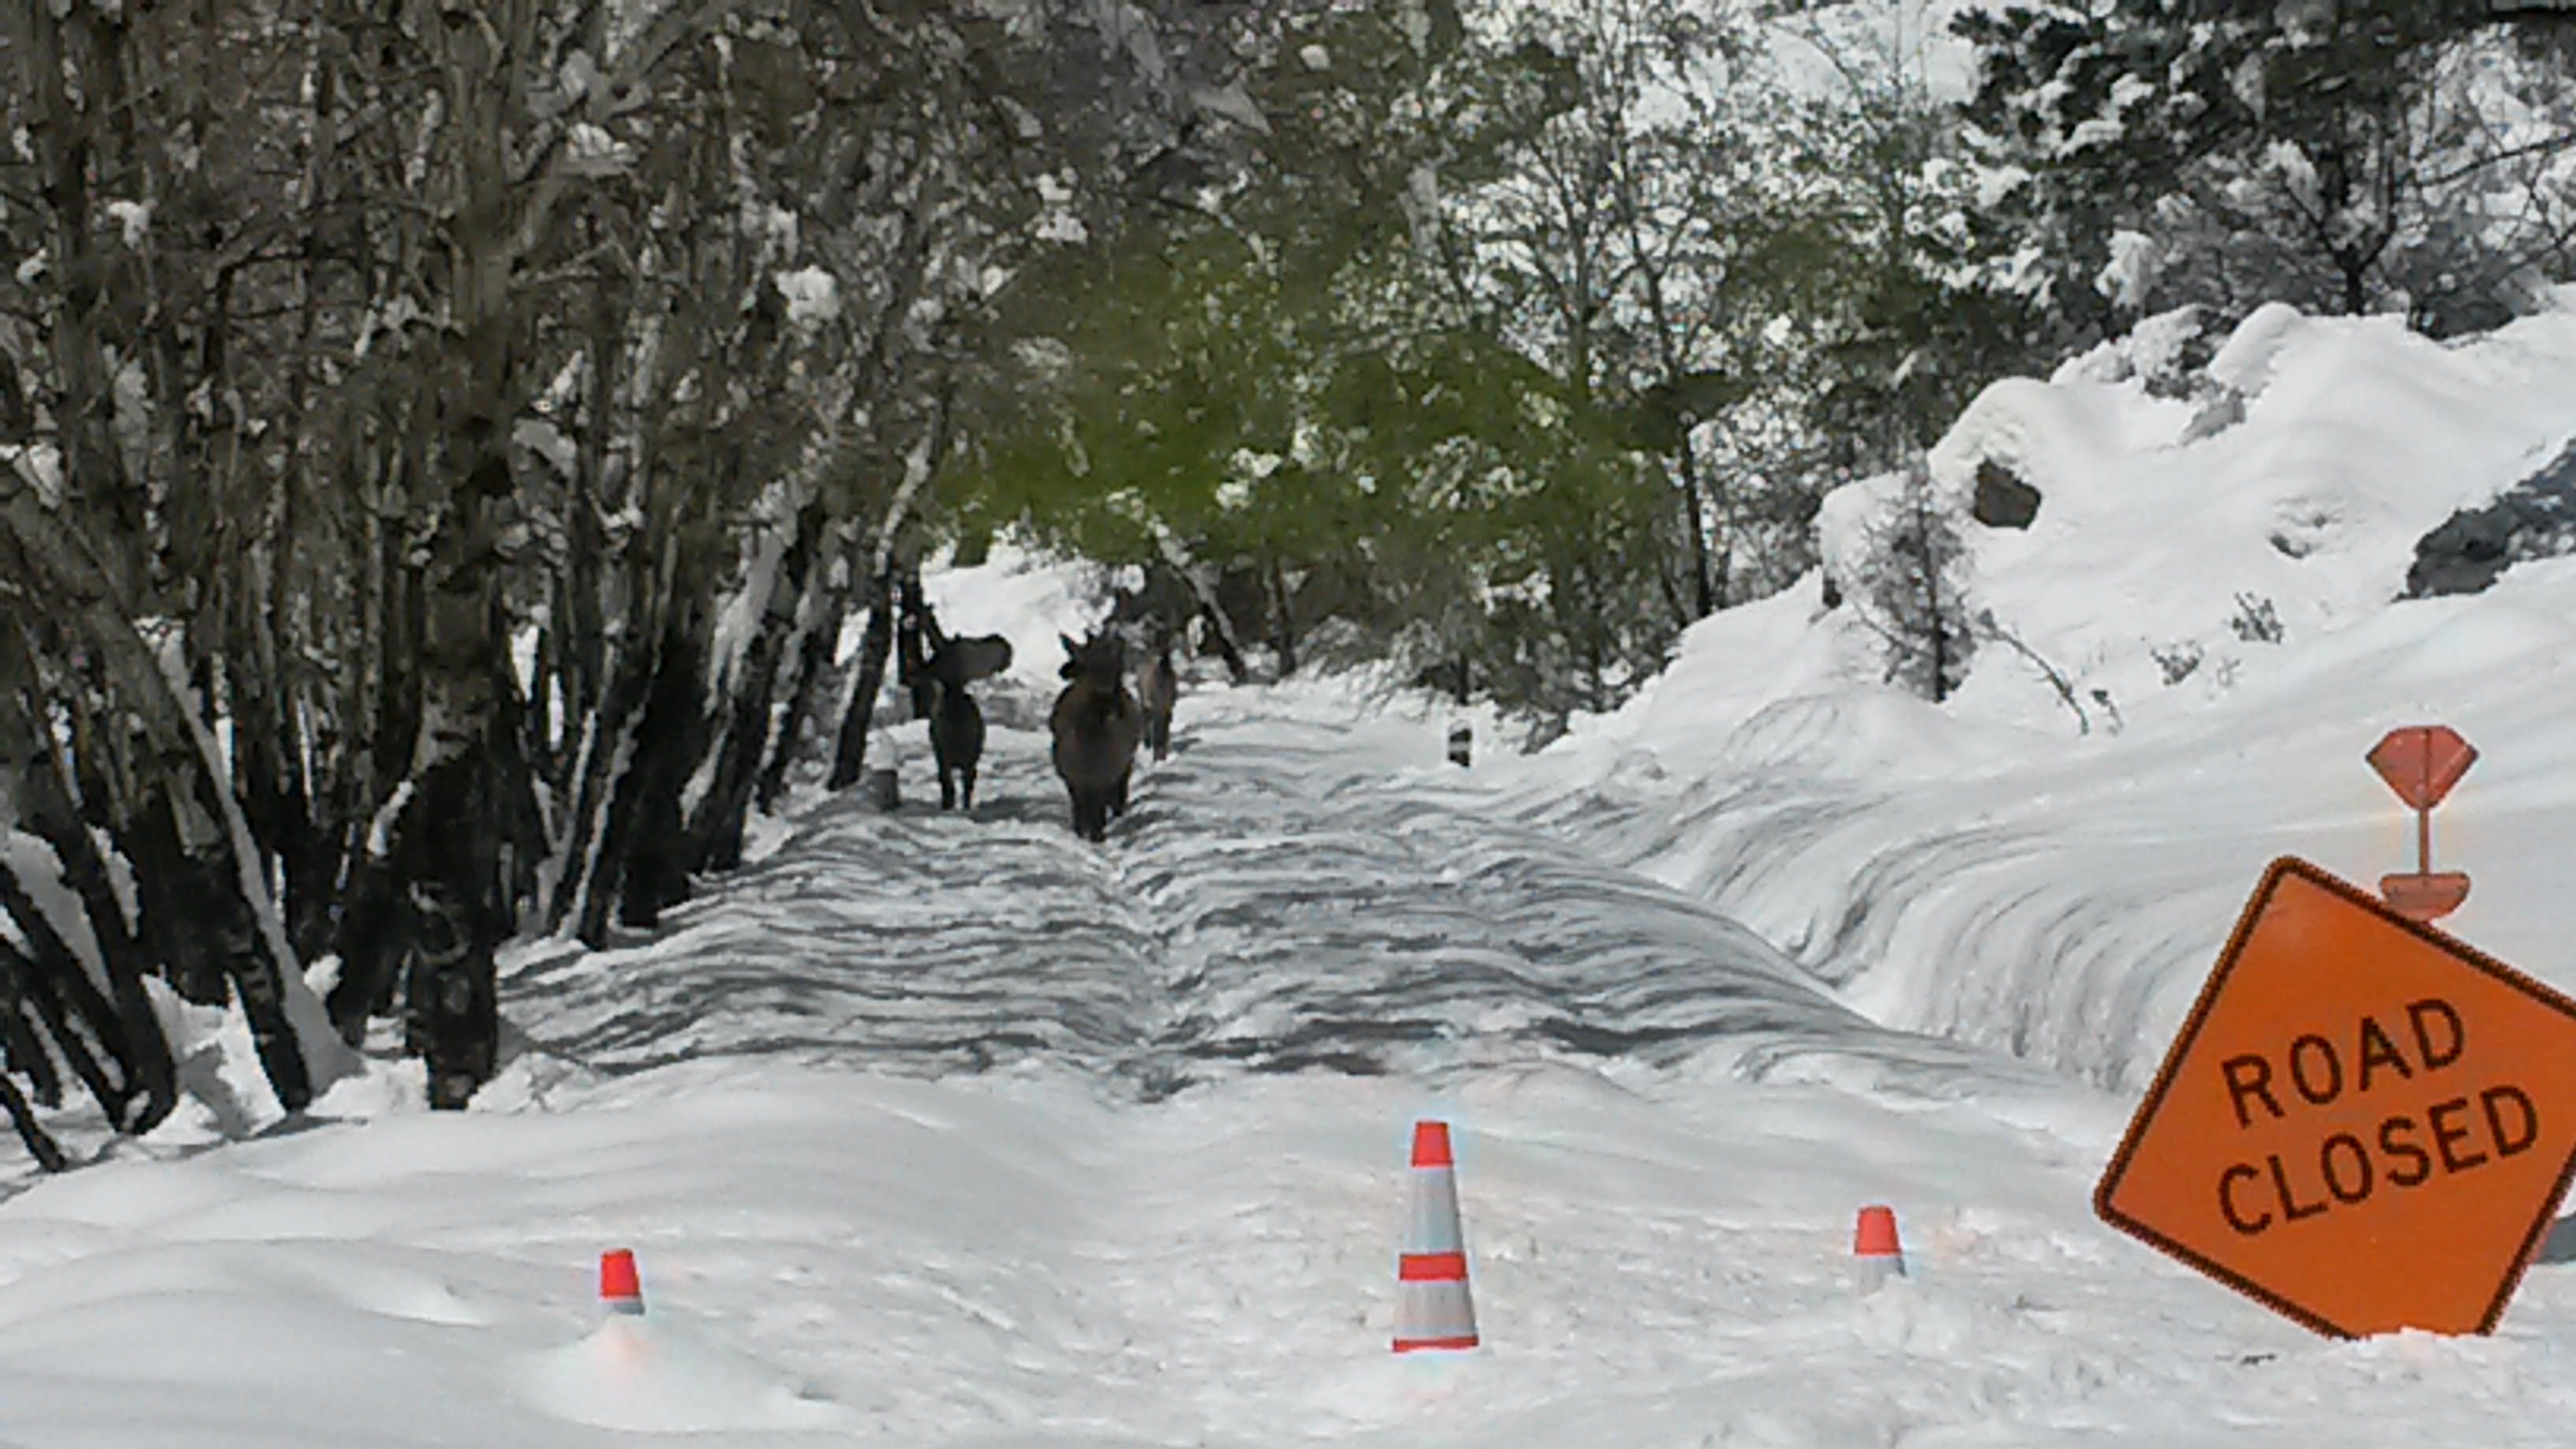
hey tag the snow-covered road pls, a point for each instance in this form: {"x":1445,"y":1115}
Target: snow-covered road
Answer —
{"x":1285,"y":894}
{"x":957,"y":1133}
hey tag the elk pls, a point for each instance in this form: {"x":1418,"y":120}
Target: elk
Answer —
{"x":1157,"y":686}
{"x":956,"y":724}
{"x":1096,"y":725}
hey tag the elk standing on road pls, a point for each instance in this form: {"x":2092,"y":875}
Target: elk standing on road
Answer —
{"x":956,"y":725}
{"x":1096,"y":725}
{"x":1156,"y":689}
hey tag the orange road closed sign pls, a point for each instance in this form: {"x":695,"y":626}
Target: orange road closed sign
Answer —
{"x":2363,"y":1123}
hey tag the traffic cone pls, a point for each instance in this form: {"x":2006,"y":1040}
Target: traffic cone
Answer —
{"x":1874,"y":1246}
{"x":1432,"y":1309}
{"x":619,"y":1287}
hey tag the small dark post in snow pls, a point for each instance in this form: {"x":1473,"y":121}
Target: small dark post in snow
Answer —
{"x":1461,"y":740}
{"x":882,"y":790}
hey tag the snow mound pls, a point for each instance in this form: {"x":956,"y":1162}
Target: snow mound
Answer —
{"x":644,"y":1376}
{"x":2048,"y":867}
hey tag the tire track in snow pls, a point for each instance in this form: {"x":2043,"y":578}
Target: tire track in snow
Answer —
{"x":1281,"y":898}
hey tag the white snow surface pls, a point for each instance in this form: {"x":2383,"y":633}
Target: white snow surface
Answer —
{"x":950,"y":1130}
{"x":1980,"y":869}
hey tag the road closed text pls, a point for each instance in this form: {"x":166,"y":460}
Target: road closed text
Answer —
{"x":2443,"y":1127}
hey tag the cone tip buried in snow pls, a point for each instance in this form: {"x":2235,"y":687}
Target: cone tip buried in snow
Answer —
{"x":1874,"y":1243}
{"x":1432,"y":1307}
{"x":619,"y":1286}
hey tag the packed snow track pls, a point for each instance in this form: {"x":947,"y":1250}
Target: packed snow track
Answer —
{"x":1276,"y":900}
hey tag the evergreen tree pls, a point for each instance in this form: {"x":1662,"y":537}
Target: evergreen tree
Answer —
{"x":1913,"y":589}
{"x":2322,"y":152}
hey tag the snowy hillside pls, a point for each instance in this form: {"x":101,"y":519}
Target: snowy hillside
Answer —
{"x":1984,"y":870}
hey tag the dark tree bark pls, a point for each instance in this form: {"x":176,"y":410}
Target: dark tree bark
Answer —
{"x":1706,"y":588}
{"x":20,"y":1051}
{"x":450,"y":919}
{"x":1223,"y":633}
{"x":82,"y":1023}
{"x":1283,"y":626}
{"x":813,"y":654}
{"x":915,"y":638}
{"x":603,"y":763}
{"x":636,"y":868}
{"x":716,"y":834}
{"x":850,"y":750}
{"x":266,"y":760}
{"x":445,"y":859}
{"x":370,"y":945}
{"x":47,"y":811}
{"x":58,"y":994}
{"x":670,"y":740}
{"x":201,"y":873}
{"x":40,"y":1145}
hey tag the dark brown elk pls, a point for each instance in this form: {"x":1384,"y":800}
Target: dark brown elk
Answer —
{"x":956,"y":724}
{"x":1158,"y":686}
{"x":1096,"y":724}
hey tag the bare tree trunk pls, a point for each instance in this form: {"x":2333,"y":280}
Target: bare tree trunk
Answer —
{"x":920,"y":466}
{"x":603,"y":761}
{"x":850,"y":750}
{"x":45,"y":809}
{"x":184,"y":795}
{"x":716,"y":833}
{"x":90,"y":1032}
{"x":821,"y":632}
{"x":40,"y":1146}
{"x":462,"y":807}
{"x":1229,"y":643}
{"x":585,"y":647}
{"x":636,"y":869}
{"x":93,"y":471}
{"x":77,"y":1017}
{"x":669,"y":742}
{"x":1704,"y":598}
{"x":911,"y":622}
{"x":445,"y":858}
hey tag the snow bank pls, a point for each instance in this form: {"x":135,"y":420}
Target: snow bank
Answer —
{"x":1980,"y":869}
{"x":836,"y":1258}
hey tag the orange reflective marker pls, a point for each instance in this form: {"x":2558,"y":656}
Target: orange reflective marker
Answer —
{"x":2363,"y":1123}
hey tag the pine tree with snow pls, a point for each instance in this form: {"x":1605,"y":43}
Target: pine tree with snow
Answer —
{"x":1912,"y":592}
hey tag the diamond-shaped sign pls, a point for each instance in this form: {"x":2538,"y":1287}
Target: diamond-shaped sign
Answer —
{"x":2363,"y":1123}
{"x":2422,"y":762}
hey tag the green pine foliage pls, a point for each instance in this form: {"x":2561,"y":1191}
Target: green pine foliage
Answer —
{"x":1914,"y":593}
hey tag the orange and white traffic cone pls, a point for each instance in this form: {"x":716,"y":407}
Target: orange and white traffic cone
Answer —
{"x":619,"y":1287}
{"x":1432,"y":1309}
{"x":1874,"y":1247}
